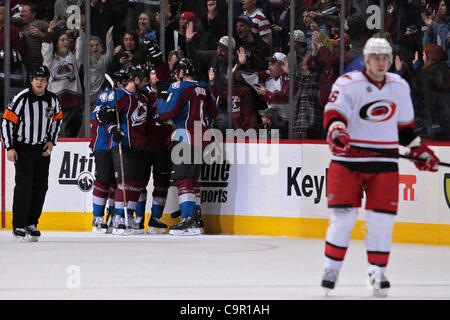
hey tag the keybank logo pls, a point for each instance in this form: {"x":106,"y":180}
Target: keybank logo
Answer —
{"x":77,"y":170}
{"x":214,"y":182}
{"x":306,"y":186}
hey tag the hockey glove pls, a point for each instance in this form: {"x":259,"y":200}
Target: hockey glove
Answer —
{"x":106,"y":116}
{"x":162,"y":90}
{"x":338,"y":140}
{"x":423,"y":152}
{"x":153,"y":52}
{"x":116,"y":134}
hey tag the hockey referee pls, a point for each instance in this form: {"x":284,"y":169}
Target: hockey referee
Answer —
{"x":30,"y":128}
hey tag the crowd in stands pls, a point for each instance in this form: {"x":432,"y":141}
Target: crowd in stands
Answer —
{"x":127,"y":32}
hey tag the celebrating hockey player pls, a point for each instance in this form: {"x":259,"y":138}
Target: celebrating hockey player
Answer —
{"x":370,"y":109}
{"x":132,"y":134}
{"x":159,"y":161}
{"x":105,"y":182}
{"x":190,"y":105}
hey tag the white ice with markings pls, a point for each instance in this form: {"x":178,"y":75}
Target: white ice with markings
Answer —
{"x":82,"y":265}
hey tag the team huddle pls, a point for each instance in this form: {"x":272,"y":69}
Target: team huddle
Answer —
{"x":131,"y":138}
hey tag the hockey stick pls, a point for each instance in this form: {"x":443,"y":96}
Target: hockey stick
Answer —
{"x":395,"y":155}
{"x":122,"y":172}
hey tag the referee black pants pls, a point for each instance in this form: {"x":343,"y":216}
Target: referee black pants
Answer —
{"x":31,"y":184}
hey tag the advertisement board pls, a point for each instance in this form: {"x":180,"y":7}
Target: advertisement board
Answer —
{"x":255,"y":187}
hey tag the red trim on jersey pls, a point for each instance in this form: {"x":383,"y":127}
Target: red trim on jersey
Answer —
{"x":334,"y":252}
{"x":374,"y":142}
{"x":378,"y":258}
{"x":332,"y":114}
{"x":378,"y":84}
{"x":404,"y":126}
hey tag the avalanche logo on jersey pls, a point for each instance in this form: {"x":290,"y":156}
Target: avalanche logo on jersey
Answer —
{"x":64,"y":71}
{"x":378,"y":111}
{"x":139,"y":115}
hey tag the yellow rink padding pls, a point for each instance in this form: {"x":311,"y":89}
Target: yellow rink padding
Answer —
{"x":422,"y":233}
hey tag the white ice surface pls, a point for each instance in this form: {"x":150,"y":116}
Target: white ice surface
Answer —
{"x":206,"y":267}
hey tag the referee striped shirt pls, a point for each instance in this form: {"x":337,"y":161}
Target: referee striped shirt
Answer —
{"x":31,"y":119}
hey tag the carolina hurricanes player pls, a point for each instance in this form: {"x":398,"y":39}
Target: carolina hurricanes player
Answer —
{"x":371,"y":109}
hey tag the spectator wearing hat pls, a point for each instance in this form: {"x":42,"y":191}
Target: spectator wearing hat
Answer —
{"x":216,"y":59}
{"x":256,"y":49}
{"x":412,"y":39}
{"x":181,"y":31}
{"x":260,"y":23}
{"x":271,"y":121}
{"x":300,"y":50}
{"x":271,"y":85}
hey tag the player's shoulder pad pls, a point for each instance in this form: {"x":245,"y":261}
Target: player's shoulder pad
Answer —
{"x":349,"y":77}
{"x":395,"y":78}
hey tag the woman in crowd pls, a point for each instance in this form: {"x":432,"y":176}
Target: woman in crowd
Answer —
{"x":436,"y":91}
{"x":128,"y":53}
{"x":64,"y":76}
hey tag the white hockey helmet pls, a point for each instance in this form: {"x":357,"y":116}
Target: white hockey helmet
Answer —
{"x":377,"y":46}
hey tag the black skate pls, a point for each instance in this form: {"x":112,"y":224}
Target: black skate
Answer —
{"x":329,"y":279}
{"x":33,"y":233}
{"x":19,"y":234}
{"x":187,"y":227}
{"x":156,"y":226}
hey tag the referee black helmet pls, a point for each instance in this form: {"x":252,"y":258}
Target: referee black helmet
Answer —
{"x":39,"y":71}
